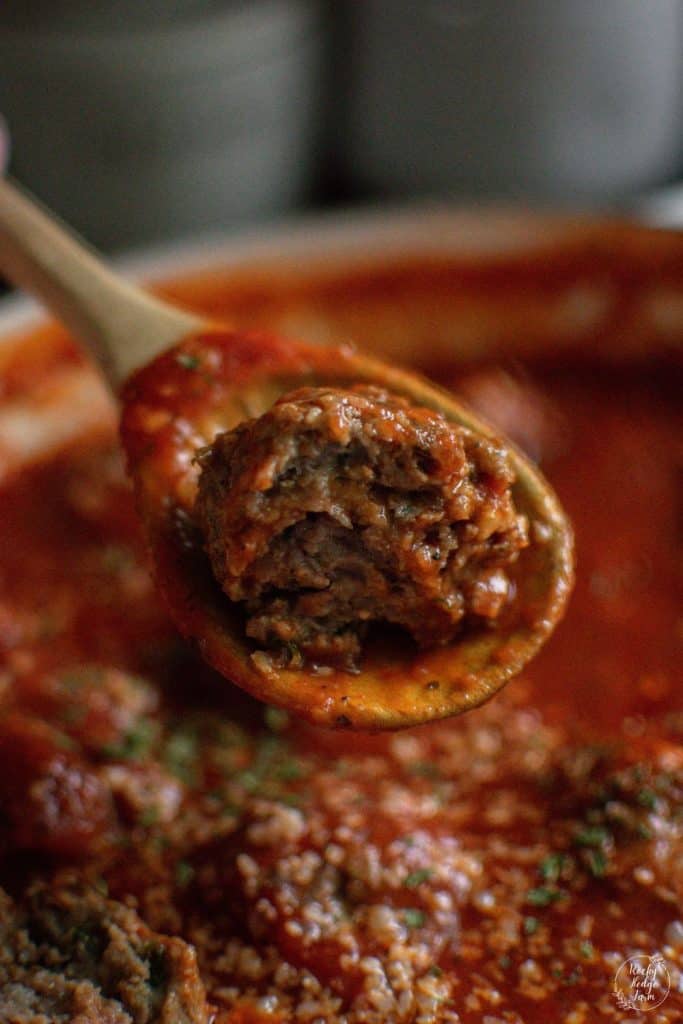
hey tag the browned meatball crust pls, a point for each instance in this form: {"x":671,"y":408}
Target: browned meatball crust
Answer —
{"x":339,"y":508}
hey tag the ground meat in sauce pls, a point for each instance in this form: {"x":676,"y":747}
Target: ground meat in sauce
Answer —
{"x":69,"y":956}
{"x":499,"y":866}
{"x":337,"y":509}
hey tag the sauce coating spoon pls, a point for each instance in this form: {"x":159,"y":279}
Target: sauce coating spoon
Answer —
{"x":204,"y":379}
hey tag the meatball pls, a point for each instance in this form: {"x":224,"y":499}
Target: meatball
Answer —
{"x":340,"y":508}
{"x":51,"y":799}
{"x":71,"y":955}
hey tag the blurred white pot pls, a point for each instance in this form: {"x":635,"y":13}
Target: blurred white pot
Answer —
{"x":568,"y":99}
{"x":145,"y":128}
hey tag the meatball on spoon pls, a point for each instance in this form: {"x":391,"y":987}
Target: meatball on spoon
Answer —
{"x":339,"y":537}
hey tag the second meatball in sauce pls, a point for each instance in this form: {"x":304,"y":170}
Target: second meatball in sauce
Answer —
{"x":339,"y":508}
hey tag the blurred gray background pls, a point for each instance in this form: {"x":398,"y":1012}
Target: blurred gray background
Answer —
{"x":145,"y":121}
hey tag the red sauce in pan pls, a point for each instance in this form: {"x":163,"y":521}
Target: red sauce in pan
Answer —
{"x":496,"y":867}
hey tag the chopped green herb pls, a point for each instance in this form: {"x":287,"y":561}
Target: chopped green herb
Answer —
{"x":64,"y":742}
{"x":290,"y":770}
{"x":405,"y":511}
{"x":593,"y":835}
{"x":586,"y":950}
{"x":267,"y":748}
{"x":134,"y":744}
{"x":425,"y":770}
{"x":646,"y":798}
{"x":551,"y":866}
{"x":643,"y":832}
{"x":149,"y":816}
{"x":416,"y":878}
{"x":184,"y":873}
{"x":435,"y":971}
{"x":504,"y":962}
{"x":413,"y":917}
{"x":530,"y":925}
{"x":180,"y":755}
{"x":249,"y":779}
{"x":291,"y":799}
{"x":276,"y":719}
{"x":226,"y":734}
{"x":270,"y":766}
{"x":597,"y":863}
{"x":543,"y":897}
{"x":187,"y":360}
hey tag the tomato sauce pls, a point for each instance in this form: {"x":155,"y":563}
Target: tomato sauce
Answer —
{"x":496,"y":867}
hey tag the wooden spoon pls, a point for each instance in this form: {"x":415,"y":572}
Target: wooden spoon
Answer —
{"x":207,"y":379}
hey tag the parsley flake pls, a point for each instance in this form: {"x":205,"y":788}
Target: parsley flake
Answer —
{"x":425,"y":770}
{"x":149,"y":816}
{"x":276,"y":719}
{"x":135,"y":744}
{"x":180,"y":754}
{"x":414,"y":917}
{"x":290,"y":770}
{"x":184,"y":873}
{"x":597,"y":863}
{"x":187,"y":360}
{"x":543,"y":897}
{"x":551,"y":866}
{"x":416,"y":878}
{"x":592,"y":835}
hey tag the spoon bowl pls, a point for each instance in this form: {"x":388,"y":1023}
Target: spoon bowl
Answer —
{"x":177,"y":404}
{"x":206,"y":380}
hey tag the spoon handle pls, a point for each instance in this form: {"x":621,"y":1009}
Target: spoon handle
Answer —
{"x":121,"y":325}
